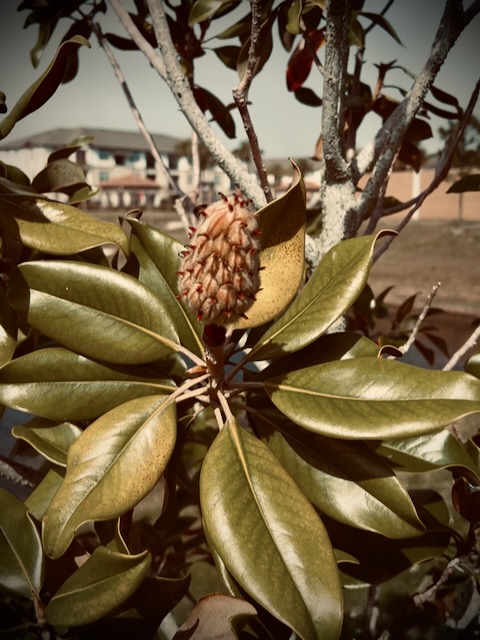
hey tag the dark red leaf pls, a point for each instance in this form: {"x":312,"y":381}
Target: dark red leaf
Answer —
{"x":301,"y":60}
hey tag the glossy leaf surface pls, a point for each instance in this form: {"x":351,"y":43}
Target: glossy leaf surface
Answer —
{"x":57,"y":384}
{"x":43,"y":88}
{"x":105,"y":581}
{"x":333,"y":288}
{"x":424,"y":453}
{"x":116,"y":461}
{"x":39,"y":500}
{"x":22,"y":562}
{"x":373,"y":398}
{"x":282,"y":226}
{"x":55,"y":227}
{"x":61,"y":175}
{"x":94,"y":310}
{"x":252,"y":509}
{"x":52,"y":441}
{"x":345,"y":480}
{"x":8,"y":328}
{"x":158,"y":261}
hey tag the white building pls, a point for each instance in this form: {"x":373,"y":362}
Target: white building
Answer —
{"x":118,"y":163}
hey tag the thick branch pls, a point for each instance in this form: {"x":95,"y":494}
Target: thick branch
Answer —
{"x":388,"y":140}
{"x":336,"y":58}
{"x":182,"y":92}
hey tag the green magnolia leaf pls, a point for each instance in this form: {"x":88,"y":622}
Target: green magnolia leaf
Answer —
{"x":205,"y":10}
{"x":22,"y":561}
{"x":60,"y":385}
{"x":335,"y":285}
{"x":467,"y":183}
{"x":94,"y":310}
{"x":263,"y":49}
{"x":75,"y":145}
{"x":342,"y":478}
{"x":116,"y":461}
{"x":43,"y":88}
{"x":332,"y":346}
{"x":228,"y":55}
{"x":105,"y":581}
{"x":8,"y":328}
{"x":61,"y":175}
{"x":282,"y":225}
{"x":252,"y":509}
{"x":52,"y":441}
{"x":40,"y":498}
{"x":373,"y":398}
{"x":14,"y":174}
{"x":424,"y":453}
{"x":54,"y":227}
{"x":382,"y":22}
{"x":473,"y":365}
{"x":158,"y":261}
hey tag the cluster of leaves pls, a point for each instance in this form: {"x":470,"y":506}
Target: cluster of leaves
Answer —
{"x":301,"y":28}
{"x":277,"y":475}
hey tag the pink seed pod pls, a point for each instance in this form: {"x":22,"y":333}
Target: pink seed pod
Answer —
{"x":219,"y":272}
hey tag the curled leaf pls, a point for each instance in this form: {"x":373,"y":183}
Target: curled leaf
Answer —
{"x":282,"y":227}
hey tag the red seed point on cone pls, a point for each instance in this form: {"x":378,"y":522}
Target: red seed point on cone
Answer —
{"x":219,"y":274}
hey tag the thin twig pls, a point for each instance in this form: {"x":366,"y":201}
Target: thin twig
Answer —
{"x":182,"y":92}
{"x":143,"y":129}
{"x":466,"y":346}
{"x":445,"y":162}
{"x":240,"y":96}
{"x":421,"y":598}
{"x":381,"y":150}
{"x":440,"y":173}
{"x":413,"y":336}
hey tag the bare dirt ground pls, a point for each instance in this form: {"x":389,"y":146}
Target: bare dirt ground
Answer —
{"x":427,"y":252}
{"x":431,"y":251}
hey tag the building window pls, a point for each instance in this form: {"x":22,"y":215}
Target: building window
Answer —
{"x":103,"y":154}
{"x":135,"y":156}
{"x":103,"y":176}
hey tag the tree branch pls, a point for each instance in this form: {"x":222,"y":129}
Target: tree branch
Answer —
{"x":440,"y":174}
{"x":336,"y":58}
{"x":388,"y":140}
{"x":187,"y":204}
{"x":240,"y":96}
{"x":466,"y":346}
{"x":145,"y":47}
{"x":182,"y":92}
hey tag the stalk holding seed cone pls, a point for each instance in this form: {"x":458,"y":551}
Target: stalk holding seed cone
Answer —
{"x":219,"y":274}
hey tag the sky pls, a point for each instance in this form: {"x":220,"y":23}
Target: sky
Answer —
{"x":284,"y":127}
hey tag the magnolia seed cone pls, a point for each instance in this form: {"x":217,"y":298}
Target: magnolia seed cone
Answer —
{"x":219,"y":274}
